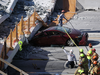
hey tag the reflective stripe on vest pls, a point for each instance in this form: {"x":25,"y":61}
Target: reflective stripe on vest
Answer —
{"x":91,"y":72}
{"x":80,"y":71}
{"x":88,"y":57}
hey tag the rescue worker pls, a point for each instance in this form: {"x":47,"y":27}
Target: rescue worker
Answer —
{"x":90,"y":46}
{"x":82,"y":51}
{"x":60,"y":19}
{"x":94,"y":54}
{"x":79,"y":70}
{"x":71,"y":58}
{"x":94,"y":57}
{"x":89,"y":54}
{"x":92,"y":65}
{"x":84,"y":61}
{"x":96,"y":68}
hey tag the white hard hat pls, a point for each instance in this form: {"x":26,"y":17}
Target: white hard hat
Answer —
{"x":71,"y":51}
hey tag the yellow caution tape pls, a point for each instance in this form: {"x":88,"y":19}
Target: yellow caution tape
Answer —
{"x":71,"y":39}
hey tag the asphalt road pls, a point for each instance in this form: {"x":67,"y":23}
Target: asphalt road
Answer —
{"x":50,"y":60}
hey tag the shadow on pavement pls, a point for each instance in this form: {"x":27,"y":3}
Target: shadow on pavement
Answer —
{"x":38,"y":61}
{"x":31,"y":60}
{"x":93,"y":42}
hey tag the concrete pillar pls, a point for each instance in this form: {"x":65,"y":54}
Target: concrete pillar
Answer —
{"x":11,"y":48}
{"x":21,"y":26}
{"x":16,"y":32}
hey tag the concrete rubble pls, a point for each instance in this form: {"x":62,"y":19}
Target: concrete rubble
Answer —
{"x":27,"y":51}
{"x":2,"y":9}
{"x":22,"y":8}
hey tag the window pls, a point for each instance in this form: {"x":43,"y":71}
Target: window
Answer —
{"x":63,"y":29}
{"x":50,"y":33}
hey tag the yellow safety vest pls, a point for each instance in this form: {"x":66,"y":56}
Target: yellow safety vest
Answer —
{"x":88,"y":56}
{"x":80,"y":71}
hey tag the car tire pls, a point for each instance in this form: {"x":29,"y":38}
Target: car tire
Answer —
{"x":70,"y":43}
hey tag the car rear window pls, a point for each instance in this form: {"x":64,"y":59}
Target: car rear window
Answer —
{"x":63,"y":29}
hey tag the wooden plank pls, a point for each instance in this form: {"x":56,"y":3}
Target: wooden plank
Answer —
{"x":2,"y":73}
{"x":13,"y":66}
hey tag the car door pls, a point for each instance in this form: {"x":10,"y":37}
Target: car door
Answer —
{"x":56,"y":37}
{"x":42,"y":39}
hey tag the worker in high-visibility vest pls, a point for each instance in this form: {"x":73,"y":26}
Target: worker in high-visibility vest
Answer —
{"x":89,"y":54}
{"x":96,"y":68}
{"x":82,"y":51}
{"x":84,"y":62}
{"x":79,"y":70}
{"x":94,"y":57}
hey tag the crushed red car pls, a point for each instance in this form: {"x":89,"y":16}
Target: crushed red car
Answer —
{"x":57,"y":35}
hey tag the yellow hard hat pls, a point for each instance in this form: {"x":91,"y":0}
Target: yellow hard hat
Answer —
{"x":81,"y":55}
{"x":81,"y":50}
